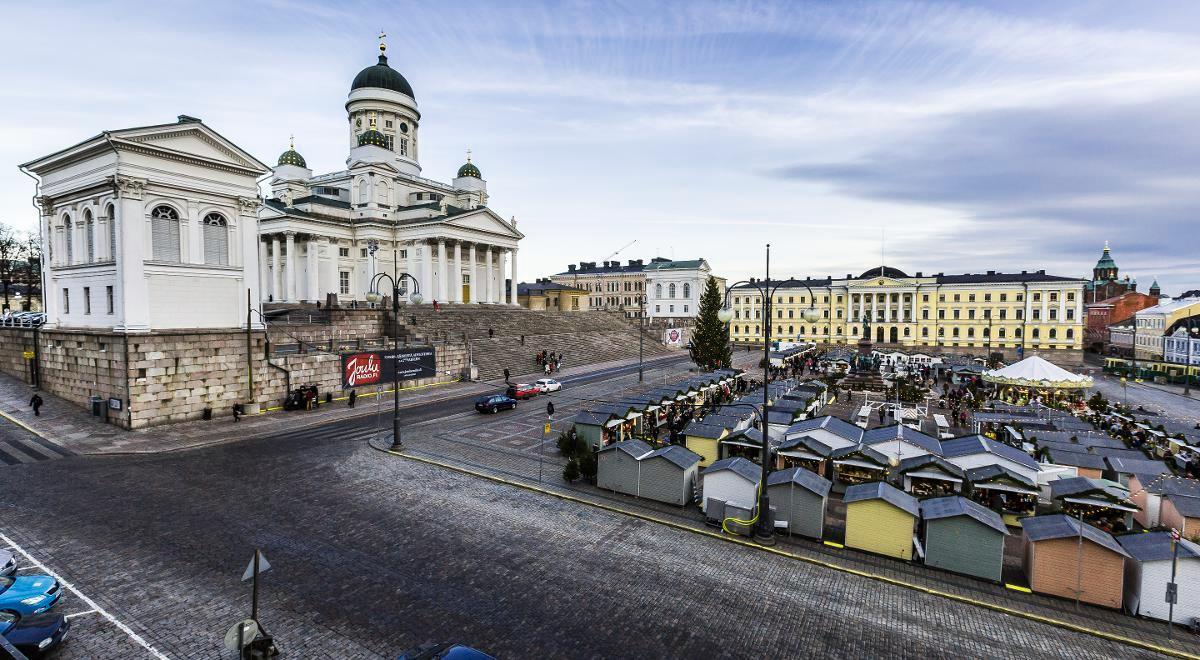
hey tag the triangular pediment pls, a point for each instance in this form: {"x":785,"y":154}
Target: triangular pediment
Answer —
{"x":484,"y":219}
{"x":191,"y":139}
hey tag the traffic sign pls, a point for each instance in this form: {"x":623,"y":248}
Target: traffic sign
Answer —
{"x":263,"y":567}
{"x":1172,"y":593}
{"x":546,"y":430}
{"x":28,"y":355}
{"x":243,"y":631}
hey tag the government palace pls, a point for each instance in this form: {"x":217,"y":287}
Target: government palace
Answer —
{"x":990,"y":311}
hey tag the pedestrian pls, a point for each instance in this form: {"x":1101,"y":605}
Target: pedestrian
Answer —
{"x":237,"y":412}
{"x":353,"y":396}
{"x":491,"y":333}
{"x":522,"y":340}
{"x":36,"y":402}
{"x":506,"y":374}
{"x":547,"y":368}
{"x":436,"y":306}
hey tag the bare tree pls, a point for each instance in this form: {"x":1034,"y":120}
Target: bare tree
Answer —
{"x":31,"y":252}
{"x":11,"y":245}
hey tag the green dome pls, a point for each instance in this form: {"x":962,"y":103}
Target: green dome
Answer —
{"x":372,"y":136}
{"x":292,"y":157}
{"x":469,"y":169}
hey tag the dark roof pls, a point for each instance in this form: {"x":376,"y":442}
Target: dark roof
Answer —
{"x":590,"y":268}
{"x":1082,"y":439}
{"x":980,"y":278}
{"x":1059,"y":526}
{"x":988,"y":472}
{"x":790,"y":283}
{"x":469,"y":169}
{"x":866,"y":452}
{"x":835,"y":425}
{"x":886,"y":433}
{"x":635,"y":448}
{"x":1189,"y":507}
{"x":883,"y":271}
{"x":1077,"y":459}
{"x":592,"y":418}
{"x":878,"y":490}
{"x":808,"y":442}
{"x":1171,"y":485}
{"x":681,"y":456}
{"x":926,"y":460}
{"x":1156,"y":546}
{"x":372,"y":136}
{"x":291,"y":157}
{"x":743,"y":467}
{"x":954,"y":505}
{"x":1137,"y":466}
{"x":382,"y":76}
{"x":318,"y":199}
{"x":977,"y":444}
{"x":1083,"y":485}
{"x":701,"y":430}
{"x":801,"y":477}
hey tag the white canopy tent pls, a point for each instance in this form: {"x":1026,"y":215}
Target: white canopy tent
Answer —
{"x":1037,"y":372}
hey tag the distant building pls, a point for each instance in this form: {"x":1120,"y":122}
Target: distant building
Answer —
{"x":1181,"y":344}
{"x":1101,"y":315}
{"x":1105,"y":283}
{"x":673,"y":288}
{"x":546,"y":295}
{"x":1152,"y":324}
{"x":1120,"y":338}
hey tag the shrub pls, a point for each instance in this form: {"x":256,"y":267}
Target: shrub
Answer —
{"x":587,"y":466}
{"x":571,"y":472}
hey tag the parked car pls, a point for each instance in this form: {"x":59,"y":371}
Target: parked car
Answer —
{"x":523,"y":391}
{"x":444,"y":651}
{"x":27,"y":595}
{"x":490,"y":403}
{"x":34,"y":635}
{"x":8,"y":563}
{"x":547,"y":385}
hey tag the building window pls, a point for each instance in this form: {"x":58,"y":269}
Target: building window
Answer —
{"x":112,"y":232}
{"x":942,"y":314}
{"x":925,"y":315}
{"x":957,"y":297}
{"x":970,"y":298}
{"x":1070,"y":295}
{"x":658,"y":292}
{"x":671,"y":309}
{"x":657,"y":308}
{"x":1053,"y":314}
{"x":66,"y":301}
{"x":671,"y":292}
{"x":1053,"y":296}
{"x":343,"y":252}
{"x":108,"y":294}
{"x":403,"y":254}
{"x":1004,"y":297}
{"x":1037,"y":314}
{"x":971,"y":332}
{"x":1035,"y":333}
{"x":87,"y":300}
{"x":1070,"y":314}
{"x":925,"y":297}
{"x":987,"y":297}
{"x":1070,"y":333}
{"x":363,"y":252}
{"x":1003,"y":314}
{"x":685,"y":309}
{"x":971,"y":314}
{"x":216,"y":240}
{"x":89,"y":228}
{"x":69,"y":232}
{"x":956,"y":314}
{"x":1001,"y":333}
{"x":1053,"y":333}
{"x":164,"y":233}
{"x":403,"y":146}
{"x":344,"y":282}
{"x":687,"y":290}
{"x":1037,"y":297}
{"x":924,"y":332}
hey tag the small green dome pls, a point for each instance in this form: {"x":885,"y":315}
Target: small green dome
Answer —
{"x":372,"y":136}
{"x":292,"y":157}
{"x":469,"y":169}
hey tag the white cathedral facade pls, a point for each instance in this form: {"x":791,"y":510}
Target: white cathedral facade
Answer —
{"x":332,"y":233}
{"x":163,"y":227}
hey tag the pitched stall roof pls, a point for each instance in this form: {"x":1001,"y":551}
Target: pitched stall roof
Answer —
{"x":1137,"y":466}
{"x":929,"y":460}
{"x":834,"y":425}
{"x":878,"y":490}
{"x":1060,"y":526}
{"x":635,"y":448}
{"x":899,"y":431}
{"x":985,"y":473}
{"x":1188,"y":507}
{"x":977,"y":444}
{"x":955,"y":505}
{"x":801,"y":477}
{"x":678,"y":455}
{"x":1156,"y":546}
{"x":742,"y":467}
{"x":808,"y":442}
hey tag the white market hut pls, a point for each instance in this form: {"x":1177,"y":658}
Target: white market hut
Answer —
{"x":1148,"y":571}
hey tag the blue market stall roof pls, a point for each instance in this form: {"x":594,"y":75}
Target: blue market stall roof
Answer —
{"x":680,"y":456}
{"x":1188,"y":507}
{"x":635,"y":448}
{"x":738,"y":465}
{"x":1094,"y":488}
{"x":807,"y":442}
{"x":878,"y":490}
{"x":801,"y":477}
{"x":900,"y":432}
{"x":954,"y":505}
{"x":1165,"y":484}
{"x":929,"y":461}
{"x":1156,"y":546}
{"x":382,"y":76}
{"x":834,"y":425}
{"x":1136,"y":466}
{"x":977,"y":444}
{"x":987,"y":473}
{"x":1060,"y":526}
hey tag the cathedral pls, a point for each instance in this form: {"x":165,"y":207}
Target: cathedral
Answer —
{"x":1105,"y":282}
{"x":330,"y":234}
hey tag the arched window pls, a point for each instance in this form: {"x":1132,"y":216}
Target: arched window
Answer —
{"x":1070,"y":333}
{"x":216,"y":240}
{"x":111,"y":212}
{"x":1035,"y":333}
{"x":89,"y":228}
{"x":1018,"y":333}
{"x":1053,"y":333}
{"x":658,"y":291}
{"x":924,"y":332}
{"x":792,"y":331}
{"x":907,"y":332}
{"x":164,"y":233}
{"x":971,"y":332}
{"x":1001,"y":333}
{"x":69,"y":234}
{"x":687,"y":290}
{"x":671,"y":290}
{"x":955,"y":332}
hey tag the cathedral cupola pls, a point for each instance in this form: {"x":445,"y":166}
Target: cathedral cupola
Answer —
{"x":1106,"y":268}
{"x":469,"y":169}
{"x":382,"y":76}
{"x":291,"y":156}
{"x":372,"y":136}
{"x":382,"y":112}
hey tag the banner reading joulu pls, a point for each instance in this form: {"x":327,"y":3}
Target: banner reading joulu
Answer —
{"x":372,"y":367}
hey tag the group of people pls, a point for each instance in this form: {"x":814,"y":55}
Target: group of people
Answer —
{"x":548,"y":361}
{"x":302,"y":398}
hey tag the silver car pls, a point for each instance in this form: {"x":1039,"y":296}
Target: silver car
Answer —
{"x":8,"y":563}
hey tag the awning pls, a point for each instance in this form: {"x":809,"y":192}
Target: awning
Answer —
{"x":614,"y":423}
{"x":857,"y":463}
{"x":1100,"y":503}
{"x":1008,"y":489}
{"x":930,"y":474}
{"x":801,"y":454}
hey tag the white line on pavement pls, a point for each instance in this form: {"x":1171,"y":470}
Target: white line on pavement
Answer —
{"x":72,"y":616}
{"x":90,"y":603}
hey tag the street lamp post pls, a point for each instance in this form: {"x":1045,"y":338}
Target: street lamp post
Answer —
{"x":763,"y":531}
{"x":1192,"y":329}
{"x":641,"y":331}
{"x":373,"y":296}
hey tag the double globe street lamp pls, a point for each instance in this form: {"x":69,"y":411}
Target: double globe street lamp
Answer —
{"x":764,"y":533}
{"x":373,"y":297}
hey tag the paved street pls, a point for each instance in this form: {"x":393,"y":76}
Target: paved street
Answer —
{"x":372,"y":554}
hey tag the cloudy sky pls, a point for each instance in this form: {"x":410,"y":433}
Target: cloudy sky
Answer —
{"x":953,"y":137}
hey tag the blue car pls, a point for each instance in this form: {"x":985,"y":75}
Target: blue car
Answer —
{"x":490,"y":403}
{"x":34,"y":635}
{"x":444,"y":651}
{"x":28,"y":595}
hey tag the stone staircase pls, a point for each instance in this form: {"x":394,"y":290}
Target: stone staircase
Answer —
{"x":493,"y":355}
{"x":503,"y":321}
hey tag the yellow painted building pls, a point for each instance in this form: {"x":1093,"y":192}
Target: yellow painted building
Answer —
{"x":881,"y":519}
{"x":986,"y":311}
{"x":545,"y":295}
{"x":705,"y":441}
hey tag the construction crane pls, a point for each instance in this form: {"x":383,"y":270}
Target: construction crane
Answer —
{"x":621,"y":249}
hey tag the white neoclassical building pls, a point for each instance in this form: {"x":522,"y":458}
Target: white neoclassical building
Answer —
{"x":332,"y":233}
{"x":673,"y":288}
{"x":149,"y":228}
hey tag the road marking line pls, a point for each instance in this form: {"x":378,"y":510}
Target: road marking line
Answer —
{"x":21,"y":424}
{"x":72,"y":616}
{"x":1004,"y":609}
{"x":90,"y":603}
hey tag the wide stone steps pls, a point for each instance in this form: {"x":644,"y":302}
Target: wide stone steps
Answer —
{"x":493,"y":355}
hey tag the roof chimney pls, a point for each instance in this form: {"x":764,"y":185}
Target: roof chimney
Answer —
{"x":571,"y":268}
{"x":1042,"y":272}
{"x":991,"y":272}
{"x":918,"y":273}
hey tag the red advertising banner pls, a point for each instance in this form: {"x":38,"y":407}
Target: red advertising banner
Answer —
{"x":375,"y":367}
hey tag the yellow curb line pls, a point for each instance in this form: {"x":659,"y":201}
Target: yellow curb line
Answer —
{"x":817,"y":562}
{"x":23,"y":425}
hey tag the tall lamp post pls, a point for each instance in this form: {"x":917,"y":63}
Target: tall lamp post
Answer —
{"x":373,"y":296}
{"x":762,"y":530}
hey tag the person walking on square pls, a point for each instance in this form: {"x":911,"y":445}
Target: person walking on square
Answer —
{"x":353,"y":396}
{"x":36,"y":402}
{"x":237,"y":412}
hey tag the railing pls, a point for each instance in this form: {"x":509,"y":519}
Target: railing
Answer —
{"x":23,"y":322}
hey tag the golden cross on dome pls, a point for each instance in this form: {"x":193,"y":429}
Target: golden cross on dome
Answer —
{"x":468,"y":154}
{"x":382,"y":45}
{"x":292,"y":140}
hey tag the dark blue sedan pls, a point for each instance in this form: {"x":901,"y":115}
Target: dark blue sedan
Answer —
{"x":27,"y":595}
{"x":34,"y":635}
{"x":444,"y":651}
{"x":490,"y":403}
